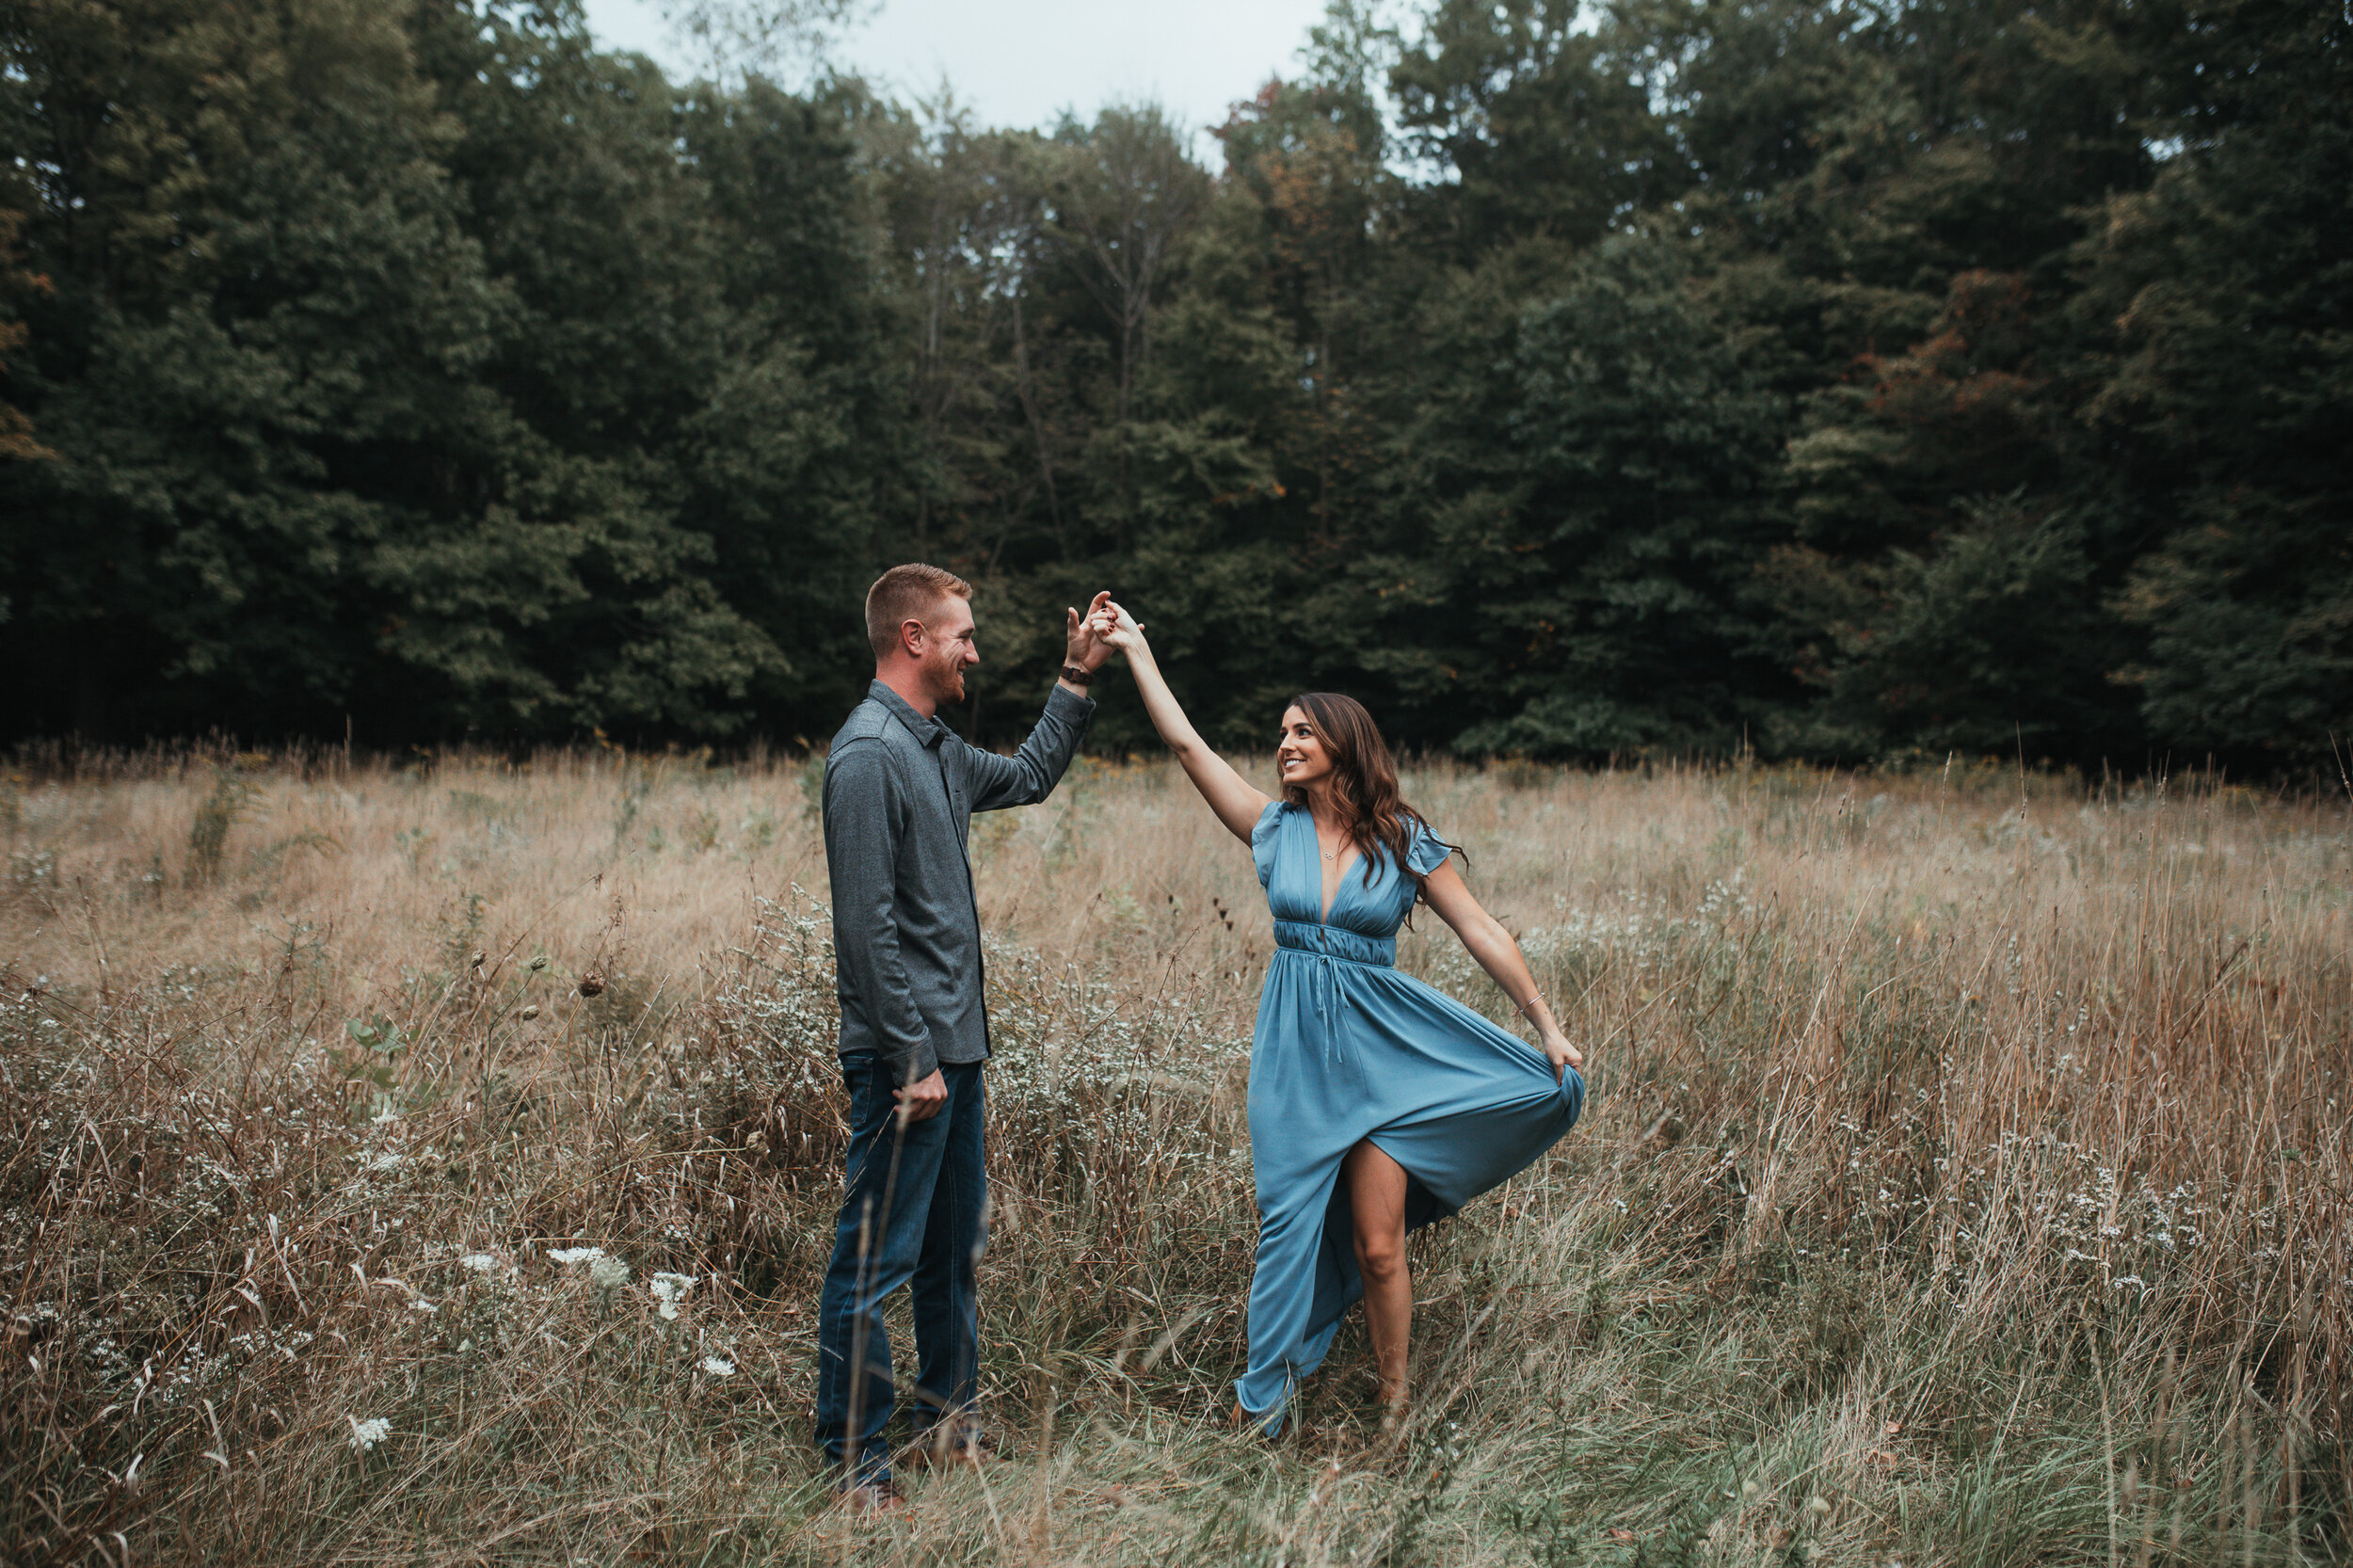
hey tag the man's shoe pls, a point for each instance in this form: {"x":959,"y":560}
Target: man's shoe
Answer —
{"x":952,"y":1443}
{"x":872,"y":1497}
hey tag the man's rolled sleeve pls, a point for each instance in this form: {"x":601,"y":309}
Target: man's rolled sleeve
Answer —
{"x":864,"y":823}
{"x":1029,"y":775}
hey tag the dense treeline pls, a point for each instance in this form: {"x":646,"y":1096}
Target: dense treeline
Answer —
{"x":1846,"y":380}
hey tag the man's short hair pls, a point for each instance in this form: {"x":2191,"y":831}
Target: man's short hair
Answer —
{"x":908,"y":593}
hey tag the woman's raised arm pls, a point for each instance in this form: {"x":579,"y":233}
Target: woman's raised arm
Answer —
{"x":1237,"y":801}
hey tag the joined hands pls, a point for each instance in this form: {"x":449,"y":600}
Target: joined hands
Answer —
{"x":1112,"y":625}
{"x":1083,"y":643}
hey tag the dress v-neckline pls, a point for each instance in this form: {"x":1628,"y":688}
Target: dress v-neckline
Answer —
{"x":1340,"y":884}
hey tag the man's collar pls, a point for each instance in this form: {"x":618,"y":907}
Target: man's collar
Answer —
{"x":929,"y":732}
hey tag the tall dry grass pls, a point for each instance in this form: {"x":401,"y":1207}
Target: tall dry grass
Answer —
{"x":1963,"y":1183}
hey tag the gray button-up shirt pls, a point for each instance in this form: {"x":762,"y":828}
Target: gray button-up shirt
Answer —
{"x":900,"y":793}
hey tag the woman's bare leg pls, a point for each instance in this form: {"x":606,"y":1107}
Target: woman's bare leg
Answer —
{"x":1376,"y":1196}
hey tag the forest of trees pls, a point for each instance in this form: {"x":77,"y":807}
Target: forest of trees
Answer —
{"x":1857,"y":381}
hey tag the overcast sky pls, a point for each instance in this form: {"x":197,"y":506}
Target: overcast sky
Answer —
{"x":1020,"y":62}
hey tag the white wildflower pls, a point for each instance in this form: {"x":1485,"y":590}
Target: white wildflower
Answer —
{"x":480,"y":1262}
{"x":718,"y":1366}
{"x":575,"y":1254}
{"x":368,"y":1433}
{"x":670,"y":1290}
{"x":608,"y":1274}
{"x":387,"y":1161}
{"x":418,"y":1304}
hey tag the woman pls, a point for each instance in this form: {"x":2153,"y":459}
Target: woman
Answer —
{"x":1376,"y":1104}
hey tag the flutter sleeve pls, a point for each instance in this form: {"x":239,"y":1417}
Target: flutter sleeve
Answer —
{"x":1262,"y":839}
{"x":1428,"y":852}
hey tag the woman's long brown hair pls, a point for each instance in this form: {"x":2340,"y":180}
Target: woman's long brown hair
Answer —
{"x":1372,"y":811}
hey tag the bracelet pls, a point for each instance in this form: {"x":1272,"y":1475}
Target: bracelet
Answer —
{"x":1078,"y":677}
{"x":1531,"y":1002}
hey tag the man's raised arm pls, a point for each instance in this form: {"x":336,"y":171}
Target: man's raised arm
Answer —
{"x":864,"y":822}
{"x":1029,"y":775}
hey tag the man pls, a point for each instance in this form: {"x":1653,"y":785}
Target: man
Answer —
{"x":899,"y":791}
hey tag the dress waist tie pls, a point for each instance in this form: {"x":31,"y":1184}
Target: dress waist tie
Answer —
{"x":1329,"y":947}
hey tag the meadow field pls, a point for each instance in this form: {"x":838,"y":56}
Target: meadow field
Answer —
{"x":433,"y":1164}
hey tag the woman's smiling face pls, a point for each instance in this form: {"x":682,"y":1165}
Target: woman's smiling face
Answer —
{"x":1300,"y":755}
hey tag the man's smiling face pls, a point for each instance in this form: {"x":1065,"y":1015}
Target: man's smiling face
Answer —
{"x":949,"y":650}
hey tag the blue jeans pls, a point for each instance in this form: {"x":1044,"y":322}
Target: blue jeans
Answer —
{"x":914,"y":1214}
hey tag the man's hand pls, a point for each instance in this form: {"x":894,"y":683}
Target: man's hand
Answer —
{"x":921,"y":1100}
{"x":1086,"y":648}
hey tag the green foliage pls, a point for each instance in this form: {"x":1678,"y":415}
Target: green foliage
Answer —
{"x":2227,"y":372}
{"x":1615,"y":603}
{"x":394,"y":414}
{"x":1542,"y":128}
{"x":378,"y":1044}
{"x":1841,"y":381}
{"x":1978,"y":644}
{"x":16,"y":431}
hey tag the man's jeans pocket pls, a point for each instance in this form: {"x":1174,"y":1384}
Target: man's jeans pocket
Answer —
{"x":859,"y":1078}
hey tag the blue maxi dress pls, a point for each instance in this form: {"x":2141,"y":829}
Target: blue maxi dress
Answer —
{"x":1348,"y":1049}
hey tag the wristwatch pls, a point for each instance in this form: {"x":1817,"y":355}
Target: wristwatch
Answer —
{"x":1078,"y":677}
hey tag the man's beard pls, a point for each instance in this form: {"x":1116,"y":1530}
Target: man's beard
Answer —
{"x":947,"y":682}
